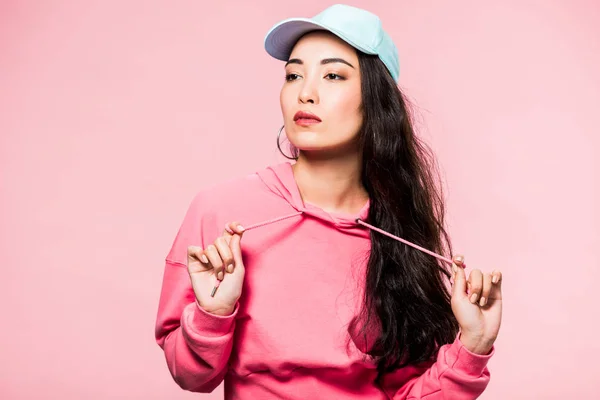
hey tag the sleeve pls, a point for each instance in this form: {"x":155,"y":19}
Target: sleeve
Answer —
{"x":457,"y":374}
{"x":196,"y":344}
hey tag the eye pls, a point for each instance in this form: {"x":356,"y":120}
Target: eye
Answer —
{"x":291,"y":77}
{"x":334,"y":77}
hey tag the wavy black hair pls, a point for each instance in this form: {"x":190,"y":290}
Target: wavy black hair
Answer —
{"x":405,"y":292}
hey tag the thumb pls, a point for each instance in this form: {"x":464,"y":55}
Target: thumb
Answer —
{"x":236,"y":249}
{"x":459,"y":288}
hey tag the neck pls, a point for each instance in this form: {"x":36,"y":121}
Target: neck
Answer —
{"x":332,"y":184}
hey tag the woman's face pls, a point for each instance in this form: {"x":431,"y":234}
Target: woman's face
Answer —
{"x":323,"y":79}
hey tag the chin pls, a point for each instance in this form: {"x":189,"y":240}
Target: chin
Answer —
{"x":307,"y":140}
{"x":313,"y":141}
{"x":310,"y":144}
{"x":326,"y":149}
{"x":322,"y":149}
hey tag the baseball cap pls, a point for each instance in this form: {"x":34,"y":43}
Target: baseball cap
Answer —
{"x":359,"y":28}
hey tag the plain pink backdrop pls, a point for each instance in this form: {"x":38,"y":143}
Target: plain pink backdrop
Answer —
{"x":114,"y":113}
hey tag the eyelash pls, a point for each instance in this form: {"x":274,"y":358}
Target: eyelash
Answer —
{"x":336,"y":77}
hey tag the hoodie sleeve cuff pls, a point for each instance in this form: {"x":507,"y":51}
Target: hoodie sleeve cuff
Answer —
{"x":462,"y":360}
{"x":206,"y":324}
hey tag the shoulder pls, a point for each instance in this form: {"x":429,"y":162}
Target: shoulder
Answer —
{"x":234,"y":199}
{"x":233,"y":191}
{"x":246,"y":198}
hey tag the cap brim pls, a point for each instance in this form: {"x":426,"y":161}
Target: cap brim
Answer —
{"x":280,"y":40}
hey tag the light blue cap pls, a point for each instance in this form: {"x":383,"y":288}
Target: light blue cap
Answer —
{"x":357,"y":27}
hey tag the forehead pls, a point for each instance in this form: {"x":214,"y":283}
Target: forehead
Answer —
{"x":322,"y":44}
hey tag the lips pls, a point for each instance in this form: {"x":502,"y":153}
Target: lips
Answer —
{"x":306,"y":116}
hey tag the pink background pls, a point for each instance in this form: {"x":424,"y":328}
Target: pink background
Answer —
{"x":114,"y":113}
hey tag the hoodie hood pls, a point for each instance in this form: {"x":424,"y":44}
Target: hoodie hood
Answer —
{"x":280,"y":180}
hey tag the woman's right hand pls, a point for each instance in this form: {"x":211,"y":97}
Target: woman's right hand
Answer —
{"x":223,"y":257}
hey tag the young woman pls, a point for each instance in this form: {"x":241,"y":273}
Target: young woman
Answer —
{"x":323,"y":298}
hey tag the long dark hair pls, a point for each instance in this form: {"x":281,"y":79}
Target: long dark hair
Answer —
{"x":405,"y":292}
{"x":405,"y":288}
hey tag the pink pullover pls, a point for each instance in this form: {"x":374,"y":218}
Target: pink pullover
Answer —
{"x":288,"y":336}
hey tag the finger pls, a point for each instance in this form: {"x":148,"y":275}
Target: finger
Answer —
{"x":459,"y":288}
{"x":475,"y":285}
{"x":235,"y":227}
{"x":215,"y":259}
{"x":232,"y":228}
{"x":496,"y":292}
{"x":222,"y":246}
{"x":228,"y":233}
{"x":456,"y":263}
{"x":485,"y":291}
{"x":236,"y":250}
{"x":193,"y":252}
{"x":459,"y":260}
{"x":496,"y":276}
{"x":196,"y":253}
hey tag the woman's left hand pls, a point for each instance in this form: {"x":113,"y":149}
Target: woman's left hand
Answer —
{"x":477,"y":306}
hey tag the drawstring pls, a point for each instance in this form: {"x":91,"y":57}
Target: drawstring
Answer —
{"x":254,"y":226}
{"x":272,"y":221}
{"x":358,"y":221}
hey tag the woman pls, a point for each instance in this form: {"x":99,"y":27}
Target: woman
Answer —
{"x":318,"y":301}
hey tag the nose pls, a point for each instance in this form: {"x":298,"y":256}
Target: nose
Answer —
{"x":308,"y":93}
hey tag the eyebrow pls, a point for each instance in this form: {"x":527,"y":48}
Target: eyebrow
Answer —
{"x":323,"y":61}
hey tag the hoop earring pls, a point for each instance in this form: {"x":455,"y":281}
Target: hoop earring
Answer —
{"x":279,"y":146}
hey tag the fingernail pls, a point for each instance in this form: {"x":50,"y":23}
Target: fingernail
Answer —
{"x":230,"y":268}
{"x":495,"y":279}
{"x":241,"y":228}
{"x":204,"y":259}
{"x":228,"y":229}
{"x":482,"y":301}
{"x":474,"y":298}
{"x":220,"y":275}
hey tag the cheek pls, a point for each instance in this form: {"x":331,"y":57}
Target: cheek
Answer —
{"x":286,"y":100}
{"x":346,"y":108}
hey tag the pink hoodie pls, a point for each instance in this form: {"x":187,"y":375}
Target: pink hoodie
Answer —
{"x":288,"y":337}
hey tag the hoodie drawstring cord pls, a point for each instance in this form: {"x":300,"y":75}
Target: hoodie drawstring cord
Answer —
{"x":358,"y":221}
{"x":254,"y":226}
{"x":272,"y":221}
{"x":445,"y":259}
